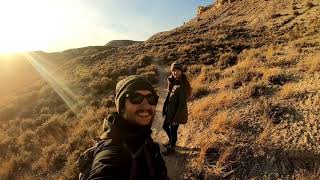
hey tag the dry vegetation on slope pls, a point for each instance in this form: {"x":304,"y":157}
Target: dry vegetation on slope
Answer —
{"x":254,"y":67}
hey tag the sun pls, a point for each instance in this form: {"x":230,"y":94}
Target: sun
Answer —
{"x":51,"y":25}
{"x":20,"y":26}
{"x":32,"y":25}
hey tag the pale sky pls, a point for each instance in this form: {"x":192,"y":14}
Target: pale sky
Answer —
{"x":56,"y":25}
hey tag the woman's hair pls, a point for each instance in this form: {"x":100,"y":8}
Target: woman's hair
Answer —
{"x":185,"y":82}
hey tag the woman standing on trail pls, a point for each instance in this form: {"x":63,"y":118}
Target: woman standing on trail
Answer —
{"x":175,"y":108}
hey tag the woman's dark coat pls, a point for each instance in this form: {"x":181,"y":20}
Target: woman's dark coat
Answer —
{"x":175,"y":107}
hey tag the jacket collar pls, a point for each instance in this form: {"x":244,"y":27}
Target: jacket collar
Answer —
{"x":122,"y":130}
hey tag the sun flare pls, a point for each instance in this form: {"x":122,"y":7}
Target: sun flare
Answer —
{"x":47,"y":25}
{"x":25,"y":25}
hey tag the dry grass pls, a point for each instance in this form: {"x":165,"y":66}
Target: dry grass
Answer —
{"x":211,"y":103}
{"x":298,"y":90}
{"x":272,"y":72}
{"x":310,"y":64}
{"x":199,"y":90}
{"x":243,"y":70}
{"x":306,"y":175}
{"x":252,"y":55}
{"x":265,"y":135}
{"x":185,"y":48}
{"x":220,"y":123}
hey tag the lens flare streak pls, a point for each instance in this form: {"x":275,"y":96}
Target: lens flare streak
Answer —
{"x":57,"y":84}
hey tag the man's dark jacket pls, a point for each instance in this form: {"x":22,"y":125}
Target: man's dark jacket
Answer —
{"x":175,"y":106}
{"x":127,"y":153}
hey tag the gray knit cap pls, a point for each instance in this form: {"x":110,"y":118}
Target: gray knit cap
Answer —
{"x":128,"y":84}
{"x":176,"y":65}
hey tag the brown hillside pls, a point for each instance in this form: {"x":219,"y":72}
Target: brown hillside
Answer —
{"x":255,"y":72}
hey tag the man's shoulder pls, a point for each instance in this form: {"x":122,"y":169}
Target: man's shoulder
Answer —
{"x":154,"y":146}
{"x":108,"y":150}
{"x":107,"y":143}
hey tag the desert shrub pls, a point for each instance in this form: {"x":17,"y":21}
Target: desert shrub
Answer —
{"x":81,"y":138}
{"x":95,"y":73}
{"x":243,"y":67}
{"x":15,"y":166}
{"x":220,"y":123}
{"x":304,"y":174}
{"x":61,"y":108}
{"x":281,"y":62}
{"x":185,"y":48}
{"x":275,"y":76}
{"x":101,"y":85}
{"x":251,"y":55}
{"x":211,"y":74}
{"x":194,"y":70}
{"x":55,"y":129}
{"x":42,"y":118}
{"x":227,"y":60}
{"x":170,"y":57}
{"x":276,"y":15}
{"x":213,"y":147}
{"x":107,"y":102}
{"x":243,"y":73}
{"x":206,"y":74}
{"x":28,"y":142}
{"x":53,"y":158}
{"x":207,"y":57}
{"x":278,"y":113}
{"x":27,"y":124}
{"x":151,"y":76}
{"x":278,"y":79}
{"x":247,"y":76}
{"x":70,"y":114}
{"x":310,"y":64}
{"x":199,"y":91}
{"x":85,"y":79}
{"x":210,"y":152}
{"x":150,"y":68}
{"x":236,"y":84}
{"x":150,"y":72}
{"x":144,"y":60}
{"x":297,"y":90}
{"x":24,"y":105}
{"x":70,"y":170}
{"x":259,"y":89}
{"x":92,"y":119}
{"x":233,"y":159}
{"x":296,"y":13}
{"x":9,"y":147}
{"x":45,"y":110}
{"x":118,"y":70}
{"x":211,"y":103}
{"x":14,"y":129}
{"x":311,"y":4}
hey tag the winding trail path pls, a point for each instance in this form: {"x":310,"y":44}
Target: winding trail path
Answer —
{"x":162,"y":92}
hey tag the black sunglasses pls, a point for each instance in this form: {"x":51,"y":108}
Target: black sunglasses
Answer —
{"x":137,"y":98}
